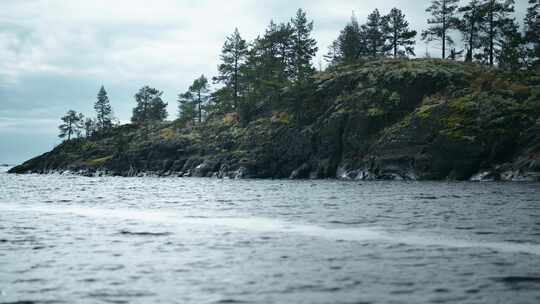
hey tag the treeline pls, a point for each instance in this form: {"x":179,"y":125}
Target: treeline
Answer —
{"x":75,"y":124}
{"x":272,"y":74}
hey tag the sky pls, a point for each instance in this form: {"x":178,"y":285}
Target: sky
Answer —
{"x":55,"y":54}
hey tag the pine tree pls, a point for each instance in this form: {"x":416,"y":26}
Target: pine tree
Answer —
{"x":349,"y":46}
{"x":532,"y":32}
{"x":196,"y":97}
{"x":90,"y":127}
{"x":304,"y":47}
{"x":269,"y":68}
{"x":497,"y":19}
{"x":233,"y":57}
{"x":187,"y":108}
{"x":397,"y":31}
{"x":276,"y":53}
{"x":103,"y":110}
{"x":72,"y":124}
{"x":512,"y":49}
{"x":150,"y":106}
{"x":443,"y":20}
{"x":470,"y":25}
{"x":375,"y":37}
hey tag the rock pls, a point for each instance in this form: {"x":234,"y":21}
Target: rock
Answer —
{"x":485,"y":176}
{"x":388,"y":119}
{"x":302,"y":172}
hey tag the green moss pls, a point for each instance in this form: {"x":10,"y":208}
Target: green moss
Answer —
{"x":98,"y":162}
{"x":375,"y":112}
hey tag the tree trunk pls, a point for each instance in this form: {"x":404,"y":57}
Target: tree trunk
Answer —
{"x":444,"y":37}
{"x":235,"y":82}
{"x":200,"y":109}
{"x":491,"y":33}
{"x":395,"y":42}
{"x":469,"y":56}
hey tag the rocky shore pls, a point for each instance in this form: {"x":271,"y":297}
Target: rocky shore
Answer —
{"x":391,"y":120}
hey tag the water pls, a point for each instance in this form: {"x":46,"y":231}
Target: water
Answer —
{"x":67,"y":239}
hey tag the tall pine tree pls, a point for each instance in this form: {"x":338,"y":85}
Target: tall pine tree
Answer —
{"x":375,"y":36}
{"x":470,"y":25}
{"x":187,"y":107}
{"x":498,"y":19}
{"x":532,"y":32}
{"x":150,"y":106}
{"x":511,"y":53}
{"x":233,"y":57}
{"x":304,"y":47}
{"x":443,"y":20}
{"x":103,"y":110}
{"x":400,"y":37}
{"x":349,"y":46}
{"x":196,"y":97}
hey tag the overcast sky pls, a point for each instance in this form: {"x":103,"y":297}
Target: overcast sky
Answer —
{"x":55,"y":54}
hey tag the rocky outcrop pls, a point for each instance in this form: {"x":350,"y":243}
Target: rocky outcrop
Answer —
{"x":392,"y":120}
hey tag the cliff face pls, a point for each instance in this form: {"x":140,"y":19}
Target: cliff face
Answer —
{"x":380,"y":120}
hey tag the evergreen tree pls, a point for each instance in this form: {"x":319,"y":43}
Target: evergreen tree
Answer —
{"x":532,"y":32}
{"x":470,"y":25}
{"x":304,"y":47}
{"x":72,"y":124}
{"x":333,"y":52}
{"x":375,"y":37}
{"x":398,"y":33}
{"x":103,"y":110}
{"x":512,"y":52}
{"x":150,"y":106}
{"x":269,"y":68}
{"x":497,"y":20}
{"x":349,"y":46}
{"x":90,"y":127}
{"x":187,"y":108}
{"x":233,"y":57}
{"x":276,"y":53}
{"x":443,"y":20}
{"x":196,"y":97}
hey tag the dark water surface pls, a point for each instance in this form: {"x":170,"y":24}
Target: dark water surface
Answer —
{"x":66,"y":239}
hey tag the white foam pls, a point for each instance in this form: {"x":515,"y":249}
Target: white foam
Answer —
{"x":266,"y":225}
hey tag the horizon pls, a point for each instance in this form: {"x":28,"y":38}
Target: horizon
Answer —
{"x":57,"y":58}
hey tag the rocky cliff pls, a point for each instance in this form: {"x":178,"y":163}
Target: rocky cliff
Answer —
{"x":417,"y":119}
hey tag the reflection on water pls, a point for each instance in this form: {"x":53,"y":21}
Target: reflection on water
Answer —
{"x":66,"y":239}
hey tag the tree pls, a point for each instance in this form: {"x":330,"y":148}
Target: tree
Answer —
{"x":103,"y":110}
{"x":349,"y":46}
{"x":397,"y":31}
{"x":443,"y":20}
{"x":532,"y":31}
{"x":150,"y":106}
{"x":269,"y":69}
{"x":304,"y":47}
{"x":193,"y":101}
{"x":233,"y":57}
{"x":470,"y":25}
{"x":72,"y":124}
{"x":375,"y":37}
{"x":497,"y":20}
{"x":187,"y":111}
{"x":512,"y":52}
{"x":90,"y":127}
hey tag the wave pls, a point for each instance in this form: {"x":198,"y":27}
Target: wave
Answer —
{"x":267,"y":225}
